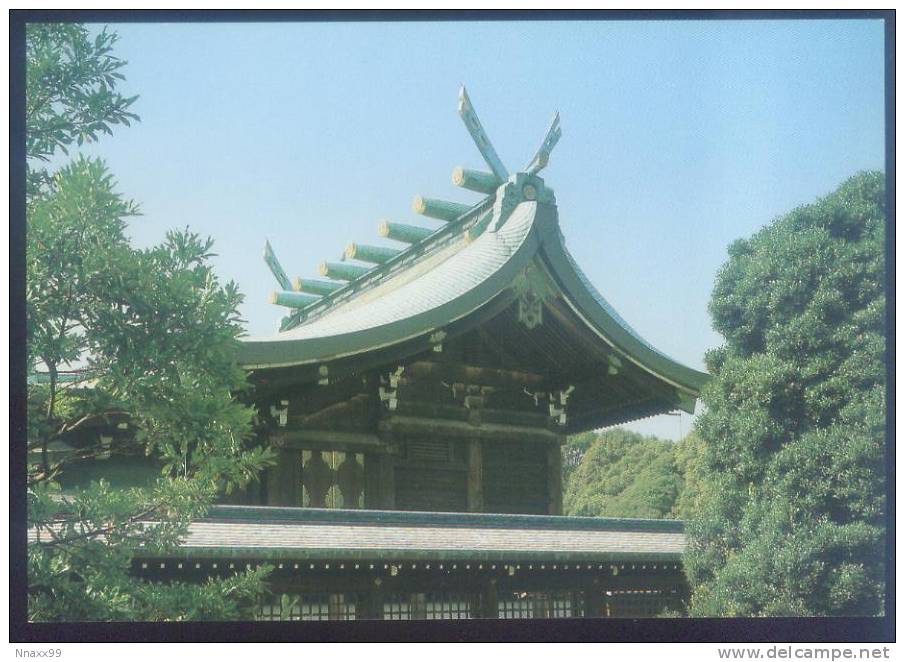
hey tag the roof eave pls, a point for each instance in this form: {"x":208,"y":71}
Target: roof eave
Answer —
{"x":585,"y":303}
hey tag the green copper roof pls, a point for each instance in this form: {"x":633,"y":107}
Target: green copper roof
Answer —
{"x":297,"y":533}
{"x":281,"y":514}
{"x":439,"y":288}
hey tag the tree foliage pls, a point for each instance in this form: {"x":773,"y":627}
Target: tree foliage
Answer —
{"x":622,"y":474}
{"x":792,"y":498}
{"x":70,"y":91}
{"x":688,"y":455}
{"x":151,"y":335}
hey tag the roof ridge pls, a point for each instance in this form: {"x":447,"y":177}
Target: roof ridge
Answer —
{"x":379,"y":273}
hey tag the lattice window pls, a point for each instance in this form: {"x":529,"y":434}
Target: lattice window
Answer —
{"x":308,"y":607}
{"x":515,"y":605}
{"x":566,"y":604}
{"x":447,"y":606}
{"x":315,"y":607}
{"x":332,"y":479}
{"x":539,"y":604}
{"x":343,"y":607}
{"x":397,"y":608}
{"x":272,"y":610}
{"x":269,"y":612}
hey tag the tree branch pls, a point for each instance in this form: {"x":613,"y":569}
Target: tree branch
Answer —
{"x":59,"y":541}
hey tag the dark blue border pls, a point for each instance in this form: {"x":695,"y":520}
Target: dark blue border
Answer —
{"x":637,"y":630}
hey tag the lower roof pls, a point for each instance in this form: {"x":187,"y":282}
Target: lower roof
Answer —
{"x":303,"y":533}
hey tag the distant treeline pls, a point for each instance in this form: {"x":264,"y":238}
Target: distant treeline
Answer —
{"x":618,"y":473}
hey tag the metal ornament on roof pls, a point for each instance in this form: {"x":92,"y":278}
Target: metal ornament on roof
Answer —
{"x":507,"y":191}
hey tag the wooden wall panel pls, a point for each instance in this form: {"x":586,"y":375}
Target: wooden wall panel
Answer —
{"x":429,"y":488}
{"x":515,"y":478}
{"x":284,"y":481}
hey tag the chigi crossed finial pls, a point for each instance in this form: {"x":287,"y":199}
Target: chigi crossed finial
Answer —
{"x":302,"y":293}
{"x":473,"y":124}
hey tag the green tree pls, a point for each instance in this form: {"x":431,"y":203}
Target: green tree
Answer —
{"x":689,"y":462}
{"x":792,"y":502}
{"x":624,"y":474}
{"x":152,"y":335}
{"x":70,"y":92}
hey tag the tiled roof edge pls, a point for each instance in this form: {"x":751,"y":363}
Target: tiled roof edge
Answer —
{"x":335,"y":555}
{"x":419,"y":518}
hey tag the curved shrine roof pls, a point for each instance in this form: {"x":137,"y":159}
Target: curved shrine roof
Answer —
{"x":449,"y":284}
{"x":444,"y":278}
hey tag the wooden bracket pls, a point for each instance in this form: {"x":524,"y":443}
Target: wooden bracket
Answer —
{"x":388,"y":389}
{"x":280,"y":413}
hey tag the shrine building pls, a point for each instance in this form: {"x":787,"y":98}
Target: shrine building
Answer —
{"x":417,"y":394}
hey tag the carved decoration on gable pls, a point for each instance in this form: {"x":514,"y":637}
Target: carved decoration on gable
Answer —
{"x":436,"y":339}
{"x":530,"y":308}
{"x":532,"y":289}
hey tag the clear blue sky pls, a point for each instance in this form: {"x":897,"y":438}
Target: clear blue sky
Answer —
{"x":678,"y":137}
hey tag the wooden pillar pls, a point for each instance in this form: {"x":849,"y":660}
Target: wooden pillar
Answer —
{"x":372,"y":602}
{"x":372,"y":481}
{"x":419,"y":607}
{"x":254,"y":493}
{"x":540,"y":606}
{"x":489,"y":606}
{"x":593,"y":599}
{"x":387,"y":482}
{"x":475,"y":476}
{"x":554,"y":479}
{"x":284,"y":481}
{"x":683,"y":595}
